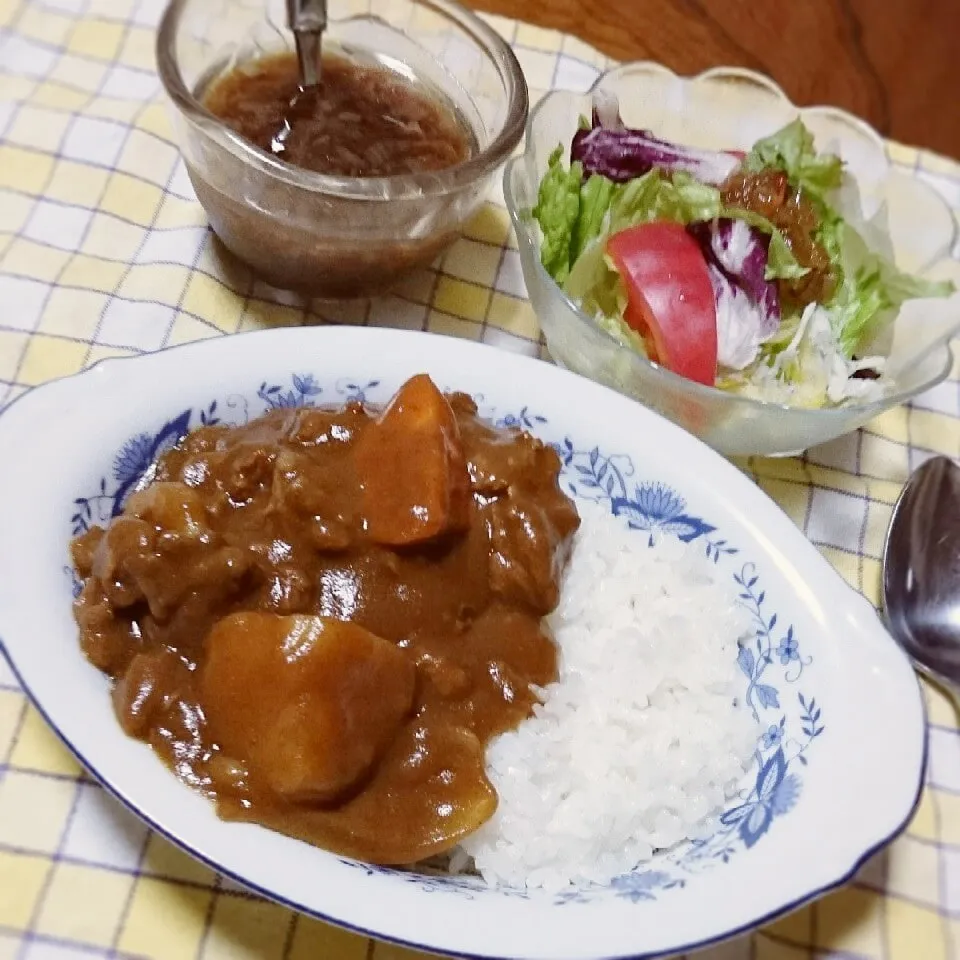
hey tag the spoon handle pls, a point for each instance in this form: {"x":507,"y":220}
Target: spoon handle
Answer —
{"x":307,"y":19}
{"x":308,"y":16}
{"x":308,"y":56}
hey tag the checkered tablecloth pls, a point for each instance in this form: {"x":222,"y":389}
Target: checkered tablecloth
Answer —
{"x":105,"y":252}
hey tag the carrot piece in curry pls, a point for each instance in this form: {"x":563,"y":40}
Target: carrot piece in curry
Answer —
{"x":415,"y":481}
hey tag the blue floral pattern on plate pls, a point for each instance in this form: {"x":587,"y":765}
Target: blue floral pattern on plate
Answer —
{"x":771,"y":661}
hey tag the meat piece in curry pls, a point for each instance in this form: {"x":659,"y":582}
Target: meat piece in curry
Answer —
{"x":320,"y":618}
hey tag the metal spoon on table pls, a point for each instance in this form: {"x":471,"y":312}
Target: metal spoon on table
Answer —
{"x":921,"y":572}
{"x":307,"y":19}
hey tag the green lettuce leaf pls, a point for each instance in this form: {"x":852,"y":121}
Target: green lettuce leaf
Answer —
{"x":781,"y":263}
{"x":654,"y":196}
{"x":859,"y":308}
{"x":595,"y":282}
{"x":557,"y":209}
{"x":791,"y":150}
{"x":871,"y":289}
{"x":595,"y":197}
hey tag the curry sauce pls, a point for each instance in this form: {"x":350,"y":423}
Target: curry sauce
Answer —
{"x":320,"y":618}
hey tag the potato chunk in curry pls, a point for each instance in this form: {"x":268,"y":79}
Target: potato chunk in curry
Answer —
{"x":309,"y":704}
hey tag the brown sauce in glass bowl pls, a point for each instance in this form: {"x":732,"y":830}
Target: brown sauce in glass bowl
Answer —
{"x":361,"y":121}
{"x":333,"y":243}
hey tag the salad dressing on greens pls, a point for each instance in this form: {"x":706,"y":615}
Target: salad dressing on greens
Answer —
{"x":745,"y":272}
{"x":768,"y":193}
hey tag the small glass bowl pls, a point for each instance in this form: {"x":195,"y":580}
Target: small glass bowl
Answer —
{"x":334,"y":236}
{"x":724,"y":108}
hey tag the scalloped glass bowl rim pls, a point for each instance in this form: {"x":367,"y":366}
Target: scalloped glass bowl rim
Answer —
{"x":519,"y":218}
{"x":399,"y":187}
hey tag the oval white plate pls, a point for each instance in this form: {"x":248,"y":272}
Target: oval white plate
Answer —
{"x":839,"y":779}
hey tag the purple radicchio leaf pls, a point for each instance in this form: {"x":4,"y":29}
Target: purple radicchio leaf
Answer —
{"x":741,"y":250}
{"x":748,"y":305}
{"x":620,"y":153}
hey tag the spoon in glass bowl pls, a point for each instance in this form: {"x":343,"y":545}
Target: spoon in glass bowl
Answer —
{"x":921,"y":572}
{"x":307,"y":19}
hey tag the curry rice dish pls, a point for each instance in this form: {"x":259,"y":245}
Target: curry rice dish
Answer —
{"x":325,"y":620}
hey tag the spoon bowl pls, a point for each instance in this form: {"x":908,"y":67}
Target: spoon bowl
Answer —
{"x":921,"y":572}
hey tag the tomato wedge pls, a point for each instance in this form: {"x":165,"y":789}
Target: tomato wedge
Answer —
{"x":670,"y":299}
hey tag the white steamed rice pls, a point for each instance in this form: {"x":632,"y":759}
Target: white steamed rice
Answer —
{"x":641,"y":743}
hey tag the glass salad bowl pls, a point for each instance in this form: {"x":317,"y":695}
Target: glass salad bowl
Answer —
{"x":730,"y":109}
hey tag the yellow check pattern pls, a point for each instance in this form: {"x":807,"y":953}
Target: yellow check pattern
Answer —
{"x":105,"y":252}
